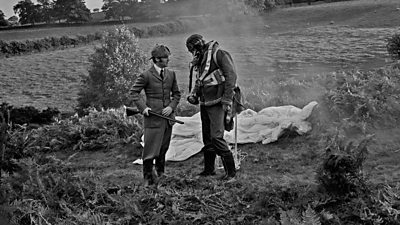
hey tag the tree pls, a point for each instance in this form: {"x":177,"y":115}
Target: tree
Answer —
{"x":115,"y":9}
{"x":13,"y":20}
{"x":27,"y":12}
{"x":259,"y":5}
{"x":120,"y":9}
{"x":3,"y":21}
{"x":135,"y":9}
{"x":114,"y":67}
{"x":45,"y":10}
{"x":71,"y":10}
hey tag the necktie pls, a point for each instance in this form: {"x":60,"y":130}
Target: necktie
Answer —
{"x":162,"y":74}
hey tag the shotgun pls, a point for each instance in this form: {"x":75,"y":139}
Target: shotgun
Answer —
{"x":130,"y":111}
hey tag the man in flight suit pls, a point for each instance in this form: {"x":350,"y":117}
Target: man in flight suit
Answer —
{"x":214,"y":90}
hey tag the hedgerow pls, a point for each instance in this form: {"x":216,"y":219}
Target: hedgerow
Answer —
{"x":13,"y":48}
{"x":28,"y":114}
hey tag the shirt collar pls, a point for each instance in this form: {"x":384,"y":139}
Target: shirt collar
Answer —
{"x":158,"y":69}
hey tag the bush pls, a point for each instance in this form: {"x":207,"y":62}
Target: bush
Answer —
{"x":393,"y":47}
{"x":345,"y":191}
{"x":65,"y":41}
{"x":114,"y":68}
{"x":55,"y":42}
{"x":29,"y":114}
{"x":261,"y":5}
{"x":341,"y":171}
{"x":364,"y":96}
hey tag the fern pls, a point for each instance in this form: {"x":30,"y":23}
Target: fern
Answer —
{"x":292,"y":217}
{"x":341,"y":170}
{"x":388,"y":198}
{"x":310,"y":217}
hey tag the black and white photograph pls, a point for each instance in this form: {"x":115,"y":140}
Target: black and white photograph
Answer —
{"x":200,"y":112}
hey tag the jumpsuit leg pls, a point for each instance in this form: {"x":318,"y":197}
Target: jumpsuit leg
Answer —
{"x":217,"y":129}
{"x":208,"y":149}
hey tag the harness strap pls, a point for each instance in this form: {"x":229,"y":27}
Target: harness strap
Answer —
{"x":215,"y":56}
{"x":191,"y":68}
{"x":208,"y":62}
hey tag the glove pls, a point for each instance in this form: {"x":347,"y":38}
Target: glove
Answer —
{"x":228,"y":112}
{"x":193,"y":99}
{"x":227,"y":108}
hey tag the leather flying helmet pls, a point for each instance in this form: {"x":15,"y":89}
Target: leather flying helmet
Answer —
{"x":194,"y":43}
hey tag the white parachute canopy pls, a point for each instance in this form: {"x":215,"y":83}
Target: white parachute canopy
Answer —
{"x":265,"y":126}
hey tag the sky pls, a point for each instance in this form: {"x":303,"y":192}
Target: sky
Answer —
{"x":7,"y":5}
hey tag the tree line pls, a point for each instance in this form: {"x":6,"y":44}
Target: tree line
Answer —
{"x":75,"y":11}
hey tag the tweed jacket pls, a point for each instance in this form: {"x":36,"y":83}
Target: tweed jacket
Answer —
{"x":160,"y":93}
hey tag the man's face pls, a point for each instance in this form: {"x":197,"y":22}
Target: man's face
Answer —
{"x":162,"y":62}
{"x":190,"y":48}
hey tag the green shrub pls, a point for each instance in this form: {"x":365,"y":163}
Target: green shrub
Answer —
{"x":98,"y":130}
{"x":55,"y":42}
{"x":47,"y":192}
{"x":65,"y":41}
{"x":341,"y":171}
{"x":82,"y":39}
{"x":29,"y":114}
{"x":364,"y":96}
{"x":345,"y":192}
{"x":393,"y":47}
{"x":114,"y":68}
{"x":17,"y":47}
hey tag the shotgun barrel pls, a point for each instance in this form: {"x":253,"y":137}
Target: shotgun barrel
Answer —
{"x":130,"y":111}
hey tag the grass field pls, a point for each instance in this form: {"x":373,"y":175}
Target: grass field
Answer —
{"x":290,"y":46}
{"x":53,"y":78}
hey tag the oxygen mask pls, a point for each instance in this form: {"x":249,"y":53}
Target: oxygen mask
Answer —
{"x":196,"y":58}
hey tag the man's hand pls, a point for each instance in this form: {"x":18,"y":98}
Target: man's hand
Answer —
{"x":146,"y":111}
{"x":166,"y":111}
{"x":192,"y":99}
{"x":227,"y":108}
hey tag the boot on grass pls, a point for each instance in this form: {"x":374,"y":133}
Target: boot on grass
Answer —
{"x":209,"y":164}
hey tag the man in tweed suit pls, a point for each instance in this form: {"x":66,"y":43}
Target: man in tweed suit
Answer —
{"x":162,"y":96}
